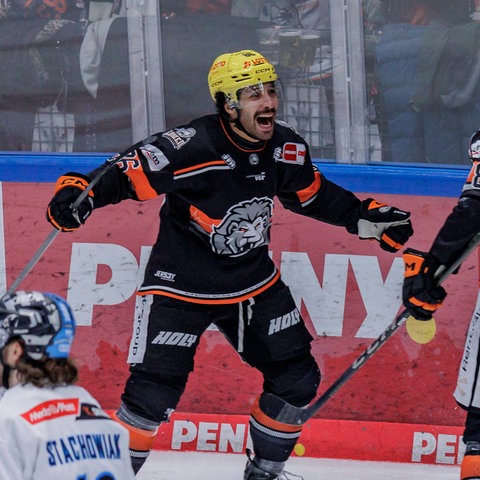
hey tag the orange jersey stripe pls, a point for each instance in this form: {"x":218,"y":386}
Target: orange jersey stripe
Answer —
{"x":132,"y":168}
{"x":203,"y":219}
{"x":199,"y":167}
{"x":216,"y":301}
{"x":309,"y":192}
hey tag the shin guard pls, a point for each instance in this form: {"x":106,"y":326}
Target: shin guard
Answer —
{"x":272,"y":439}
{"x":142,"y":435}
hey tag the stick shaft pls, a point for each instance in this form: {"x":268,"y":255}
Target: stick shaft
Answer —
{"x":32,"y":262}
{"x":53,"y":234}
{"x":292,"y":415}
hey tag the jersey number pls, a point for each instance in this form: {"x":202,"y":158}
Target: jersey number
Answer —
{"x":101,"y":476}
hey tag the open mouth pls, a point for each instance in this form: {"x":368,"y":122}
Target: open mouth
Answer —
{"x":265,"y":120}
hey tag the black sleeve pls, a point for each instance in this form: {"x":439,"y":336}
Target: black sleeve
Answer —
{"x":329,"y":203}
{"x":459,"y":228}
{"x":112,"y":187}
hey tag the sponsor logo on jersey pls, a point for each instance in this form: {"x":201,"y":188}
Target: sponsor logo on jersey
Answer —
{"x":229,"y":160}
{"x":244,"y":227}
{"x":52,"y":409}
{"x":180,"y":339}
{"x":259,"y":177}
{"x":167,"y":276}
{"x":155,"y":157}
{"x":285,"y":321}
{"x":291,"y":153}
{"x":179,"y":137}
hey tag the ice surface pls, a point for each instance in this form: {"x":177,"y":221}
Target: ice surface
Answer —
{"x":168,"y":465}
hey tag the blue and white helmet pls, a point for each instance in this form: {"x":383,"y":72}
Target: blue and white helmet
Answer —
{"x":44,"y":321}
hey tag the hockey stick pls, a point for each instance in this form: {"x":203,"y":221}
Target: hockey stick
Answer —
{"x":53,"y":234}
{"x":286,"y":413}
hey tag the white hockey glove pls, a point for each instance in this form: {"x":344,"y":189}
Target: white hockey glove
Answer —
{"x":389,"y":225}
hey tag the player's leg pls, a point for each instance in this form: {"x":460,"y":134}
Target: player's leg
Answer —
{"x":272,"y":337}
{"x":467,"y":395}
{"x":162,"y":351}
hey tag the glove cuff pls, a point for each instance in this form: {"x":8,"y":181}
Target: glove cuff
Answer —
{"x":417,"y":262}
{"x":73,"y":179}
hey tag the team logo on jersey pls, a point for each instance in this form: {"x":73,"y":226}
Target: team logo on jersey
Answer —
{"x":89,"y":411}
{"x":293,"y":153}
{"x":52,"y":409}
{"x":244,"y":227}
{"x":155,"y":157}
{"x":179,"y":137}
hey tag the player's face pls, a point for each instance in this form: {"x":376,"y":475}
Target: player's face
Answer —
{"x":257,"y":107}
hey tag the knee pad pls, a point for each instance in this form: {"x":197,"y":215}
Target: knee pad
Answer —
{"x":295,"y":380}
{"x":153,"y":397}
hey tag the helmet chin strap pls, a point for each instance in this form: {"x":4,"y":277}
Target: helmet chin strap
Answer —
{"x":238,"y":124}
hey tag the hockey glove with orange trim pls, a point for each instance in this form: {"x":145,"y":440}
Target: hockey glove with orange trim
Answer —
{"x":67,"y":189}
{"x":421,"y":295}
{"x":389,"y":225}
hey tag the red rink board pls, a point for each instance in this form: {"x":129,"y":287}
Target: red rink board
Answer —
{"x":355,"y":440}
{"x":401,"y":385}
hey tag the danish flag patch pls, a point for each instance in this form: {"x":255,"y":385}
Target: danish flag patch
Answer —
{"x":294,"y":153}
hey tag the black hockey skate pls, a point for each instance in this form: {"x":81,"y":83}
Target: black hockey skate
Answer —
{"x":260,"y":469}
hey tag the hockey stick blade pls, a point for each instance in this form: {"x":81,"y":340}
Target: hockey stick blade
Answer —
{"x":53,"y":234}
{"x":289,"y":414}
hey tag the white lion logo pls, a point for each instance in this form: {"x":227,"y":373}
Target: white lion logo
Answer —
{"x":244,"y":227}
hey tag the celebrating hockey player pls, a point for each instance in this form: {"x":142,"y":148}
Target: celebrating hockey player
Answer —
{"x":422,"y":297}
{"x":50,"y":428}
{"x":210,"y":263}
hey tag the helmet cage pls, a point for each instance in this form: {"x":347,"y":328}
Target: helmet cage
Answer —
{"x":44,"y":322}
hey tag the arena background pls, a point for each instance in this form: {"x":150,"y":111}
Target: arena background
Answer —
{"x":398,"y":406}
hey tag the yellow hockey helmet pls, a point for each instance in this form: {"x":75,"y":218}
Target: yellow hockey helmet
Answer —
{"x":231,"y":72}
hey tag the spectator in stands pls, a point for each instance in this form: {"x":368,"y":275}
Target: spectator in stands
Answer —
{"x":426,"y":71}
{"x":38,"y":41}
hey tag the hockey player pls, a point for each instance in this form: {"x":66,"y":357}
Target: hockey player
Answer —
{"x":210,"y":263}
{"x":50,"y":428}
{"x":422,"y":298}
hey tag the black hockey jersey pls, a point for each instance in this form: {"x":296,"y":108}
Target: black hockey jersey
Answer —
{"x":463,"y":222}
{"x":212,"y":246}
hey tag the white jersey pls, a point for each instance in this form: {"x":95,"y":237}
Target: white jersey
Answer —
{"x":60,"y":433}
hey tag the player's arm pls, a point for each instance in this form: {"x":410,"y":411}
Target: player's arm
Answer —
{"x":132,"y":177}
{"x":326,"y":201}
{"x":420,"y":294}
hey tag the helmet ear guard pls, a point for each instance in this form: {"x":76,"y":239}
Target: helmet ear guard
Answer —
{"x":231,"y":72}
{"x":43,"y":321}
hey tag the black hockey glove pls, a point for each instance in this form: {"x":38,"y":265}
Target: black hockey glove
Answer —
{"x":67,"y":189}
{"x":421,"y":296}
{"x":389,"y":225}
